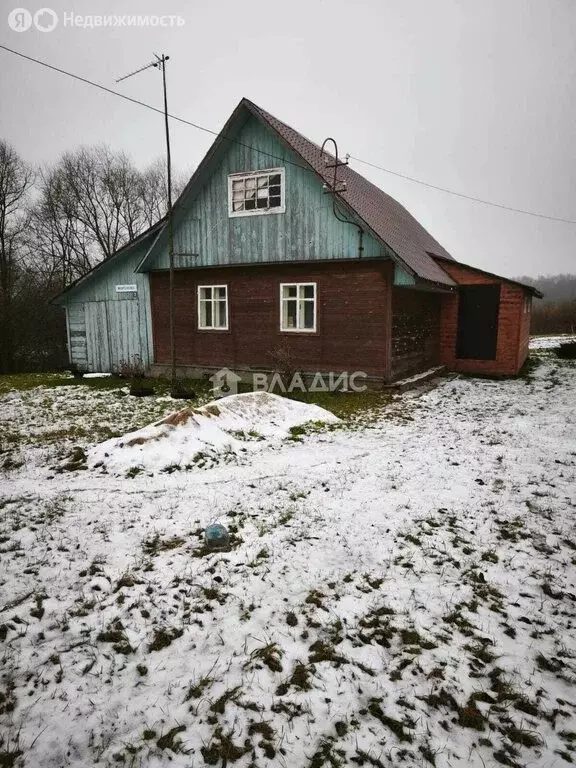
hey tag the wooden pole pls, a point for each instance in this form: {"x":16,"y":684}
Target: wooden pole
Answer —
{"x":172,"y":293}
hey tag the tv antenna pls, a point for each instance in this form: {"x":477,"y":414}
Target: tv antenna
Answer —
{"x":160,"y":63}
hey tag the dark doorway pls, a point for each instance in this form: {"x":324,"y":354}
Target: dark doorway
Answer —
{"x":478,"y":322}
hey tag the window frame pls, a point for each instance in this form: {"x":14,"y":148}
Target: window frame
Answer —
{"x":199,"y":301}
{"x":297,"y":299}
{"x":257,"y":211}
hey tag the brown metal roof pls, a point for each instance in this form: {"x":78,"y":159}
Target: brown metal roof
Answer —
{"x":387,"y":219}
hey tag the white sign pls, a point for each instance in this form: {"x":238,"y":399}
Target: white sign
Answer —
{"x":126,"y":288}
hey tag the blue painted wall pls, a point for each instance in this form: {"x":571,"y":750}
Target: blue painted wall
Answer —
{"x":104,"y":326}
{"x":205,"y":235}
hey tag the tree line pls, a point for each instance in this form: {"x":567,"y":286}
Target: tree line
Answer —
{"x":556,"y":312}
{"x":56,"y":223}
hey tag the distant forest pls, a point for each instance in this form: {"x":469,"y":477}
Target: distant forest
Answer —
{"x":556,"y":312}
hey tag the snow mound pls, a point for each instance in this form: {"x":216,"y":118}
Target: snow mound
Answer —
{"x":223,"y":424}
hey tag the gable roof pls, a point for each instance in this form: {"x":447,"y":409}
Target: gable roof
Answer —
{"x":388,"y":220}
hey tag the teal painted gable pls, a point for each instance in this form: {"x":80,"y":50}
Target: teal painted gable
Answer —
{"x":205,"y":235}
{"x":402,"y":278}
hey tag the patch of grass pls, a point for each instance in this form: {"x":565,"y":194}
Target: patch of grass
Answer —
{"x":270,"y":655}
{"x":480,"y":652}
{"x":154,"y":545}
{"x":522,"y":736}
{"x":196,"y":690}
{"x":222,"y":749}
{"x":328,"y":754}
{"x":232,"y":694}
{"x":413,"y":637}
{"x":347,"y":405}
{"x":549,"y":664}
{"x":315,"y":597}
{"x":116,"y":634}
{"x":163,"y":637}
{"x":376,"y":626}
{"x":397,"y":727}
{"x":469,"y":716}
{"x":170,"y":740}
{"x":300,"y":679}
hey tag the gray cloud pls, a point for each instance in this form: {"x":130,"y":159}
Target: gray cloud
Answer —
{"x":474,"y":96}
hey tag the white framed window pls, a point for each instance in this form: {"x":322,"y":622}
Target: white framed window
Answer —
{"x":298,"y":307}
{"x":213,"y":307}
{"x":527,"y":304}
{"x":256,"y":193}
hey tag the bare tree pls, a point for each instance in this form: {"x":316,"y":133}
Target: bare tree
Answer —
{"x":16,"y":180}
{"x":99,"y":189}
{"x":153,"y":190}
{"x":83,"y":209}
{"x":90,"y":204}
{"x":60,"y":247}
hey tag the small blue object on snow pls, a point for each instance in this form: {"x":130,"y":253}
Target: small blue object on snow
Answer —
{"x":216,"y":536}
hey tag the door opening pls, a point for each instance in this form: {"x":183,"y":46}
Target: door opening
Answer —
{"x":478,"y":322}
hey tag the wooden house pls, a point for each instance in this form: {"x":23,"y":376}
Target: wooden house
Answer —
{"x":280,"y":254}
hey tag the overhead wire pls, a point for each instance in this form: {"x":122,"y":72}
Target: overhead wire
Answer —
{"x":184,"y":121}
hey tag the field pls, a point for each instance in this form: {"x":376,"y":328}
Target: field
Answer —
{"x":400,"y":588}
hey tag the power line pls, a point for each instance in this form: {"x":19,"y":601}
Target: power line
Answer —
{"x":461,"y":194}
{"x":182,"y":120}
{"x":149,"y":106}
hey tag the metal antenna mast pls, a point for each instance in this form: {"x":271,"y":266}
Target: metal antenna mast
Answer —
{"x":160,"y":63}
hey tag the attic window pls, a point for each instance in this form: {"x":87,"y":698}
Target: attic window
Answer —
{"x":255,"y":193}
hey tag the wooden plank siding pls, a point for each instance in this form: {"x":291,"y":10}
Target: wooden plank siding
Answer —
{"x":97,"y":336}
{"x":76,"y":327}
{"x":352,"y":314}
{"x":205,"y":235}
{"x":105,"y":326}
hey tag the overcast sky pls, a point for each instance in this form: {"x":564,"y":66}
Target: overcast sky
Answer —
{"x":475,"y":95}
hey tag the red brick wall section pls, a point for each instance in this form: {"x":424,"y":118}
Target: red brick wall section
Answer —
{"x":352,"y":317}
{"x":512,"y":341}
{"x":415,"y":331}
{"x":524,"y":338}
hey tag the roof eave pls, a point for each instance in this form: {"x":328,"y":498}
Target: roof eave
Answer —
{"x":534,"y":291}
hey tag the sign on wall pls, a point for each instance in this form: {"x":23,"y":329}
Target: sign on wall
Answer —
{"x":126,"y":288}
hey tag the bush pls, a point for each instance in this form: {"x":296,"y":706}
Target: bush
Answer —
{"x":567,"y":351}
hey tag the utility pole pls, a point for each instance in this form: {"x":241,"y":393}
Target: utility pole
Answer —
{"x":160,"y":63}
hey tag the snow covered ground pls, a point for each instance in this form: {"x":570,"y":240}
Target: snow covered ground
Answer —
{"x":549,"y":342}
{"x":398,"y":592}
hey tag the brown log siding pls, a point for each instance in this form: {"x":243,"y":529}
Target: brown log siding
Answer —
{"x":352,"y":317}
{"x":415,"y":331}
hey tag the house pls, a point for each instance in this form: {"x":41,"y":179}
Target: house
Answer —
{"x":280,"y":252}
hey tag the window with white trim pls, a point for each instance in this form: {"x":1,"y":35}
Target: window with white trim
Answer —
{"x":256,"y":193}
{"x":527,"y":304}
{"x":213,"y":307}
{"x":298,"y":306}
